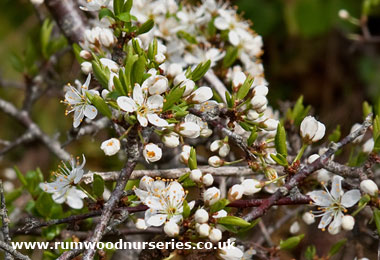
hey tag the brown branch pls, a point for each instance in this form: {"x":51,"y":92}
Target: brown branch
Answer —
{"x":291,"y":200}
{"x":5,"y":221}
{"x":8,"y":249}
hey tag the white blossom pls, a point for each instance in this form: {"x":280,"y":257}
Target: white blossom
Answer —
{"x":332,"y":203}
{"x":312,"y":130}
{"x":140,"y":224}
{"x":207,"y":179}
{"x":230,"y":253}
{"x":215,"y":235}
{"x":368,"y":146}
{"x":348,"y":222}
{"x":235,"y":192}
{"x":201,"y":95}
{"x":353,"y":129}
{"x":94,"y":5}
{"x":251,"y":186}
{"x":171,"y":228}
{"x":86,"y":67}
{"x":312,"y":158}
{"x":201,"y":216}
{"x":211,"y":195}
{"x":308,"y":218}
{"x":171,"y":140}
{"x":258,"y":102}
{"x":215,"y":161}
{"x":294,"y":228}
{"x":189,"y":129}
{"x":152,"y":152}
{"x":369,"y":186}
{"x":111,"y":146}
{"x":196,"y":175}
{"x":185,"y":154}
{"x":203,"y":230}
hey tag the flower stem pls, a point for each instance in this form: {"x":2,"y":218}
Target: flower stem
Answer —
{"x":87,"y":193}
{"x":300,"y":153}
{"x":230,"y":163}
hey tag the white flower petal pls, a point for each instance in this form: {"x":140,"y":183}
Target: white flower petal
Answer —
{"x":90,"y":111}
{"x":155,"y":102}
{"x":326,"y":219}
{"x":142,"y":120}
{"x":154,"y":119}
{"x":336,"y":187}
{"x":126,"y":103}
{"x":350,"y":198}
{"x":221,"y":23}
{"x":138,"y":96}
{"x":233,"y":37}
{"x":320,"y":198}
{"x":156,"y":220}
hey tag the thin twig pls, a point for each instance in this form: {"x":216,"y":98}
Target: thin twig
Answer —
{"x":8,"y":249}
{"x":4,"y":221}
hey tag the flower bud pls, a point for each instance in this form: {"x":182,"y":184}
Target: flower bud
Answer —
{"x":235,"y":192}
{"x":312,"y":158}
{"x":251,"y":186}
{"x":86,"y":67}
{"x":344,"y":14}
{"x":160,"y":57}
{"x":171,"y":140}
{"x":152,"y":152}
{"x":215,"y":235}
{"x":106,"y":37}
{"x":238,"y":79}
{"x":110,"y":147}
{"x":179,"y":79}
{"x":206,"y":132}
{"x":145,"y":182}
{"x":196,"y":175}
{"x":369,"y":187}
{"x":258,"y":102}
{"x":215,"y":145}
{"x":252,"y":115}
{"x":270,"y":124}
{"x":312,"y":130}
{"x":189,"y":85}
{"x":208,"y":180}
{"x":323,"y":175}
{"x":334,"y":230}
{"x":201,"y":216}
{"x":294,"y":228}
{"x":174,"y":70}
{"x":368,"y":146}
{"x":308,"y":218}
{"x":261,"y":90}
{"x":85,"y":54}
{"x":211,"y":195}
{"x":171,"y":229}
{"x":348,"y":222}
{"x":185,"y":154}
{"x":105,"y":92}
{"x":261,"y":109}
{"x":204,"y":230}
{"x":140,"y":224}
{"x":353,"y":129}
{"x":159,"y":86}
{"x":110,"y":64}
{"x":189,"y":129}
{"x":224,"y":150}
{"x":215,"y":161}
{"x":201,"y":95}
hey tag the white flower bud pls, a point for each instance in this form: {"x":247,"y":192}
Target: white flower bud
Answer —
{"x":111,"y":146}
{"x":258,"y":102}
{"x":206,"y":132}
{"x":171,"y":140}
{"x":174,"y":70}
{"x":216,"y":145}
{"x":353,"y":129}
{"x":146,"y":182}
{"x":208,"y":180}
{"x":105,"y":92}
{"x":252,"y":115}
{"x":106,"y":37}
{"x":189,"y":85}
{"x":215,"y":161}
{"x":140,"y":224}
{"x":368,"y":146}
{"x":152,"y":152}
{"x":185,"y":154}
{"x":343,"y":14}
{"x":204,"y":230}
{"x":261,"y":109}
{"x":189,"y":129}
{"x":110,"y":64}
{"x":251,"y":186}
{"x":308,"y":218}
{"x":86,"y":67}
{"x":294,"y":228}
{"x":261,"y":90}
{"x":37,"y":2}
{"x":179,"y":79}
{"x":201,"y":216}
{"x":312,"y":158}
{"x":348,"y":222}
{"x":196,"y":175}
{"x":334,"y":231}
{"x":323,"y":175}
{"x":235,"y":192}
{"x":171,"y":229}
{"x":160,"y":57}
{"x":312,"y":130}
{"x":85,"y":54}
{"x":201,"y":95}
{"x":369,"y":187}
{"x":238,"y":79}
{"x":159,"y":86}
{"x":224,"y":150}
{"x":211,"y":195}
{"x":215,"y":235}
{"x":271,"y":124}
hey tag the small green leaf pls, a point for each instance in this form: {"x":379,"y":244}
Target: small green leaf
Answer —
{"x":200,"y":70}
{"x":51,"y":232}
{"x":310,"y":252}
{"x":13,"y":195}
{"x":192,"y":159}
{"x":376,"y":127}
{"x":252,"y":225}
{"x":98,"y":186}
{"x":233,"y":220}
{"x":280,"y":159}
{"x":174,"y":96}
{"x":280,"y":140}
{"x":100,"y":74}
{"x":376,"y":216}
{"x":105,"y":12}
{"x":367,"y":109}
{"x":118,"y":6}
{"x":183,"y":177}
{"x":376,"y":146}
{"x":138,"y":70}
{"x":46,"y":30}
{"x":219,"y":205}
{"x":244,"y":89}
{"x":291,"y":242}
{"x":335,"y":135}
{"x":128,"y":6}
{"x":336,"y":247}
{"x":100,"y":104}
{"x":188,"y":37}
{"x":252,"y":137}
{"x":186,"y":209}
{"x":125,"y":17}
{"x":145,"y":27}
{"x":20,"y":176}
{"x":230,"y":57}
{"x":44,"y":204}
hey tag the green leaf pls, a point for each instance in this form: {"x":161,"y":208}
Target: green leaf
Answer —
{"x":376,"y":146}
{"x":105,"y":12}
{"x":100,"y":104}
{"x":219,"y":205}
{"x":51,"y":232}
{"x":335,"y":135}
{"x":192,"y":159}
{"x":231,"y":228}
{"x":183,"y":177}
{"x":200,"y":70}
{"x":376,"y":216}
{"x":280,"y":140}
{"x":188,"y":37}
{"x":20,"y":176}
{"x":100,"y":74}
{"x":234,"y":221}
{"x":291,"y":242}
{"x":231,"y":56}
{"x":252,"y":225}
{"x":186,"y":209}
{"x":98,"y":186}
{"x":229,"y":99}
{"x":252,"y":137}
{"x":119,"y":86}
{"x":145,"y":27}
{"x":118,"y":6}
{"x":128,"y":6}
{"x":17,"y":62}
{"x":244,"y":89}
{"x":310,"y":252}
{"x":376,"y":127}
{"x":125,"y":17}
{"x":13,"y":195}
{"x":172,"y":97}
{"x":336,"y":247}
{"x":280,"y":159}
{"x":77,"y":49}
{"x":46,"y":30}
{"x":367,"y":109}
{"x":138,"y":70}
{"x":44,"y":204}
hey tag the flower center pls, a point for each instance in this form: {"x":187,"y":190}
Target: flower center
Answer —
{"x":151,"y":154}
